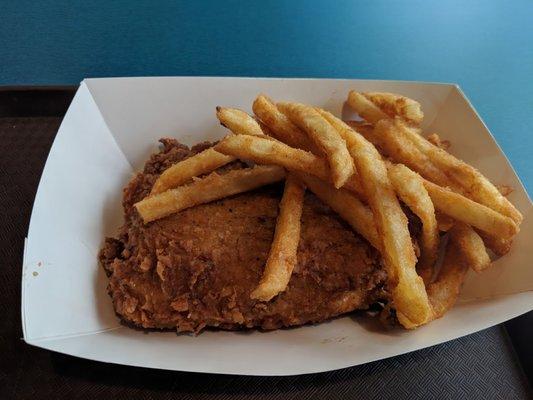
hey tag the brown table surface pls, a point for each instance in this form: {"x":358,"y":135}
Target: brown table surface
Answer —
{"x":494,"y":363}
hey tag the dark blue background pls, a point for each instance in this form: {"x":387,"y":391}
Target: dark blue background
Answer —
{"x":485,"y":46}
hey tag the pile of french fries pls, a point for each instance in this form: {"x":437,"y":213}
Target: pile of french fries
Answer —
{"x":362,"y":170}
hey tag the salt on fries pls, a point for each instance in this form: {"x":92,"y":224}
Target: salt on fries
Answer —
{"x":210,"y":188}
{"x":343,"y":164}
{"x":283,"y":251}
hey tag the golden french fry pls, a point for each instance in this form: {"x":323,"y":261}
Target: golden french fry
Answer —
{"x":437,"y":141}
{"x":410,"y":188}
{"x":497,"y":245}
{"x":390,"y":137}
{"x":365,"y":108}
{"x":444,"y":221}
{"x":208,"y":160}
{"x":444,"y":291}
{"x":263,"y":151}
{"x":478,"y":187}
{"x":365,"y":129}
{"x":349,"y":207}
{"x":281,"y":127}
{"x":199,"y":164}
{"x":395,"y":105}
{"x":471,"y":245}
{"x":282,"y":257}
{"x":210,"y":188}
{"x":468,"y":211}
{"x":325,"y":137}
{"x":407,"y":288}
{"x":239,"y":122}
{"x":505,"y":190}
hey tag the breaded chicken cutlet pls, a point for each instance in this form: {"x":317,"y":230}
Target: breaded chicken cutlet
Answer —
{"x":197,"y":268}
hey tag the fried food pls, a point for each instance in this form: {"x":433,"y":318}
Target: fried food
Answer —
{"x":390,"y":136}
{"x":199,"y":164}
{"x":477,"y":186}
{"x":407,"y":288}
{"x":281,"y":126}
{"x":239,"y":122}
{"x":283,"y":253}
{"x":444,"y":222}
{"x":365,"y":108}
{"x":410,"y":189}
{"x":221,"y":250}
{"x":471,"y":246}
{"x":437,"y":141}
{"x":395,"y":105}
{"x":197,"y":268}
{"x":468,"y":211}
{"x":497,"y":245}
{"x":444,"y":291}
{"x":348,"y":206}
{"x":325,"y":137}
{"x":212,"y":187}
{"x":265,"y":151}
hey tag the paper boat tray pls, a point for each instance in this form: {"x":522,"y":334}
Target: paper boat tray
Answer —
{"x":109,"y":131}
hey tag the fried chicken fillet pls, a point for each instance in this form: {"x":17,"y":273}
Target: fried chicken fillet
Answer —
{"x":197,"y":268}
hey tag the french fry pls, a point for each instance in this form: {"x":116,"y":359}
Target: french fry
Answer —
{"x":208,"y":160}
{"x":407,"y":288}
{"x":348,"y":206}
{"x":365,"y":129}
{"x":435,"y":140}
{"x":468,"y":211}
{"x":210,"y":188}
{"x":283,"y":251}
{"x":444,"y":222}
{"x":391,"y":139}
{"x":239,"y":122}
{"x":444,"y":291}
{"x":365,"y":108}
{"x":410,"y":188}
{"x":479,"y":188}
{"x":505,"y":190}
{"x":395,"y":105}
{"x":263,"y":151}
{"x":471,"y":245}
{"x":281,"y":127}
{"x":325,"y":137}
{"x":199,"y":164}
{"x":497,"y":245}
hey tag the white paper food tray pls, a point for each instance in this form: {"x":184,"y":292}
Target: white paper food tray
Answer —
{"x":108,"y":132}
